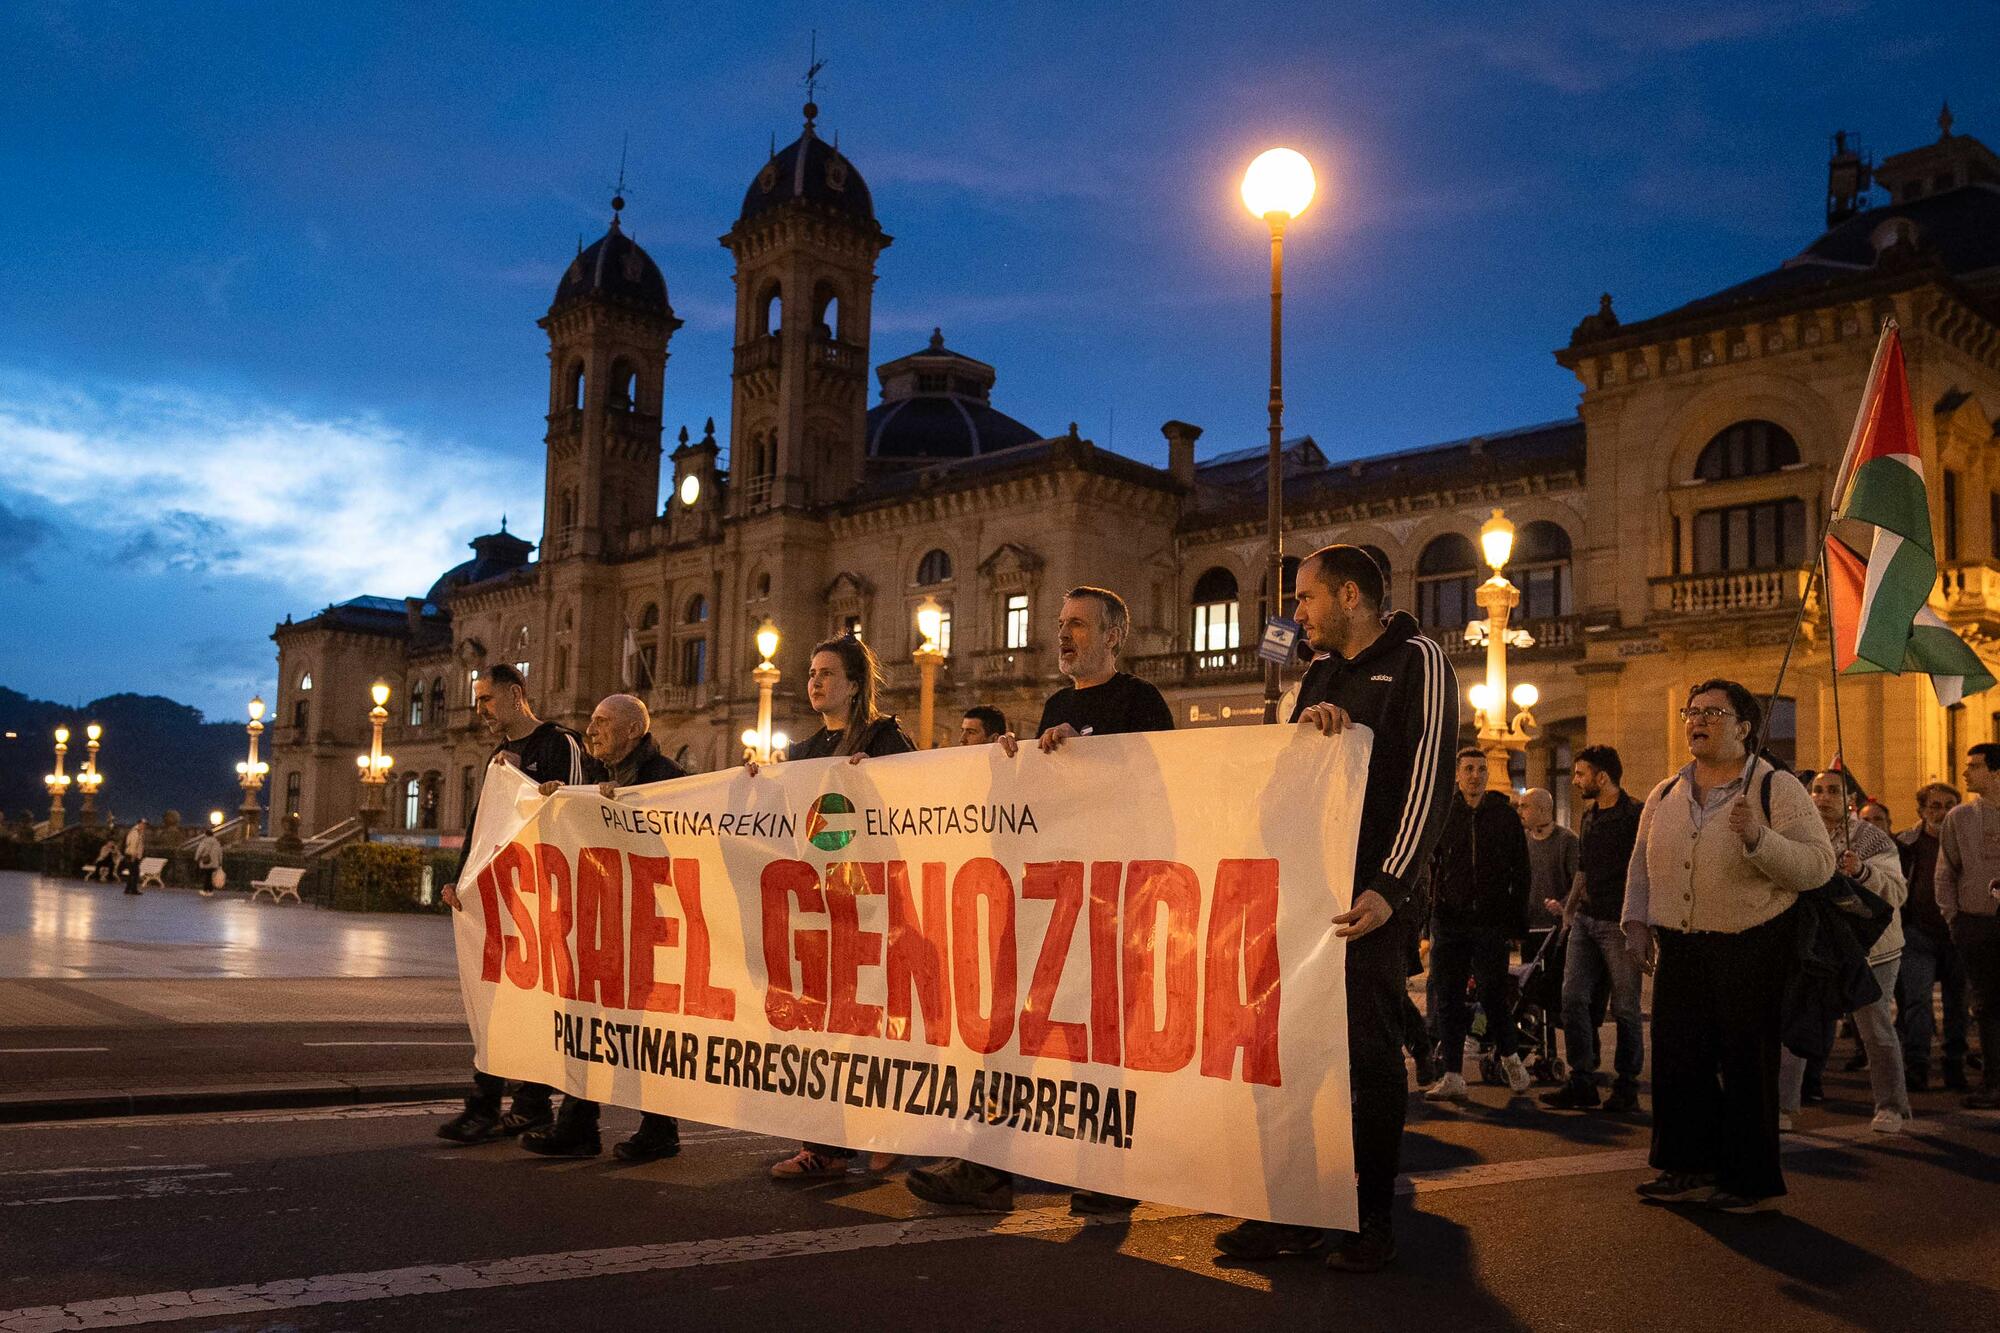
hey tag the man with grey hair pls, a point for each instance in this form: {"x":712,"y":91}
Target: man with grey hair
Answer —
{"x":619,"y":736}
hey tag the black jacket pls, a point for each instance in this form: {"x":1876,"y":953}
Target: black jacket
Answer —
{"x":645,"y":764}
{"x":881,"y":737}
{"x":1480,"y":872}
{"x":1403,"y":689}
{"x":549,"y":753}
{"x":1829,"y":977}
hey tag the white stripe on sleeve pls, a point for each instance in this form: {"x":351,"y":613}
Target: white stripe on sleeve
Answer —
{"x":1423,"y":767}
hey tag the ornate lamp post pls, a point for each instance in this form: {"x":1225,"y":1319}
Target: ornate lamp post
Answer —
{"x":251,"y":772}
{"x":1500,"y":737}
{"x":90,"y":779}
{"x":760,"y":741}
{"x":374,"y":765}
{"x":1276,"y":188}
{"x":58,"y":781}
{"x":928,"y":654}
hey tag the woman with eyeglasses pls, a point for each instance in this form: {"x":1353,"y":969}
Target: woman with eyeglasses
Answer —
{"x":1725,"y":847}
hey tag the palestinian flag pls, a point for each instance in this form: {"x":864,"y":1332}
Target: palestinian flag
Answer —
{"x":1932,"y":648}
{"x":1885,"y":488}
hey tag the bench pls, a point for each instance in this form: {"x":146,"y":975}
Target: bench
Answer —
{"x":150,"y":870}
{"x":283,"y":882}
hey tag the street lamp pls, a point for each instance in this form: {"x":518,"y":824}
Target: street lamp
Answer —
{"x":759,"y":740}
{"x":214,"y":820}
{"x":374,"y":765}
{"x":1277,"y":188}
{"x":928,"y":654}
{"x":251,"y":773}
{"x":1499,"y":736}
{"x":90,"y":779}
{"x":58,"y":781}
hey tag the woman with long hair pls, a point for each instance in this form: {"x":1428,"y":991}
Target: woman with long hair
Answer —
{"x":843,"y":682}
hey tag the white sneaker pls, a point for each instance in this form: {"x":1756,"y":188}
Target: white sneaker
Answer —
{"x":1516,"y":1073}
{"x":1887,"y":1122}
{"x":1784,"y":1122}
{"x":1450,"y":1088}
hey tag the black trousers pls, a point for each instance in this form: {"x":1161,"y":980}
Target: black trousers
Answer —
{"x":1716,"y":1020}
{"x":1978,"y":941}
{"x":487,"y":1088}
{"x":1479,"y":954}
{"x":1377,"y":970}
{"x":131,"y":874}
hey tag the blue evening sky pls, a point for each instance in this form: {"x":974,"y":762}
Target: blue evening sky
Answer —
{"x":269,"y":272}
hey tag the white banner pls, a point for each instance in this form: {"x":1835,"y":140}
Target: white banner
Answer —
{"x":1110,"y":967}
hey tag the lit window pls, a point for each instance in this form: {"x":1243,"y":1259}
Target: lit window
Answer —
{"x":306,"y":681}
{"x":1215,"y":612}
{"x":944,"y":632}
{"x":1016,"y":621}
{"x":522,"y":667}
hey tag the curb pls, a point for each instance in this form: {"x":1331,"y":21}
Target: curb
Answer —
{"x":17,"y":1109}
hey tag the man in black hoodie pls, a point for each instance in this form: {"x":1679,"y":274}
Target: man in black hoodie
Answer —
{"x":619,"y":736}
{"x":1380,"y":673}
{"x":1480,"y":881}
{"x":546,"y":753}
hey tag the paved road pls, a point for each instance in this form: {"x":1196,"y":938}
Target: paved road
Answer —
{"x":360,"y":1219}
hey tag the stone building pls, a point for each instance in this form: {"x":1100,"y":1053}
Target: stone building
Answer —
{"x":1660,"y":531}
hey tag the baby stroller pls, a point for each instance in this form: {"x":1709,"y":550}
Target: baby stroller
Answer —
{"x":1535,"y":993}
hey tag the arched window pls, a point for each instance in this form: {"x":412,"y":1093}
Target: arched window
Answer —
{"x":1767,"y":535}
{"x":694,"y":661}
{"x":1215,"y":612}
{"x":427,"y":812}
{"x":565,"y":513}
{"x":650,"y":617}
{"x":305,"y":682}
{"x":575,"y":394}
{"x":697,"y":610}
{"x":437,"y":702}
{"x":1540,"y":569}
{"x":826,"y":311}
{"x":412,"y":801}
{"x":417,"y":697}
{"x":1447,"y":574}
{"x":1381,"y":559}
{"x":1746,"y":449}
{"x":624,"y":385}
{"x":771,"y":309}
{"x":301,"y":713}
{"x":934,"y":568}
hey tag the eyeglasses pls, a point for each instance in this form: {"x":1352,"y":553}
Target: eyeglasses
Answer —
{"x":1705,"y":714}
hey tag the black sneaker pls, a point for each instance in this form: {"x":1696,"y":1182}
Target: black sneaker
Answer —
{"x":1677,"y":1187}
{"x":1428,"y":1069}
{"x":658,"y":1136}
{"x":570,"y":1137}
{"x":1089,"y":1203}
{"x":1722,"y":1201}
{"x":1622,"y":1099}
{"x":471,"y":1126}
{"x":1268,"y":1240}
{"x":1572,"y":1096}
{"x":1369,"y":1250}
{"x":520,"y":1119}
{"x":964,"y":1184}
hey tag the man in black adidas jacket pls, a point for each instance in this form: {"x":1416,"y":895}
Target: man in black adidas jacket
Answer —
{"x":545,"y":752}
{"x":1382,"y":674}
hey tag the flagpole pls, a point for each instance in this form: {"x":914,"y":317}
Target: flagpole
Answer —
{"x":1833,"y":665}
{"x":1817,"y":560}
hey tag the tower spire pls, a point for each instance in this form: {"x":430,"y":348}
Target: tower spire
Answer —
{"x":813,"y":67}
{"x":618,"y":191}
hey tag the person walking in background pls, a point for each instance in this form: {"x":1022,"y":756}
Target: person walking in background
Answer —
{"x":135,"y":852}
{"x":1552,"y":860}
{"x":208,"y":863}
{"x":1597,"y":954}
{"x":1929,"y":957}
{"x":1479,"y":903}
{"x":1968,"y":869}
{"x":1869,"y":858}
{"x":1724,"y":848}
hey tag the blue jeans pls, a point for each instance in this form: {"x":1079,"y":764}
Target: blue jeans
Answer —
{"x":1596,"y":956}
{"x":1930,"y":960}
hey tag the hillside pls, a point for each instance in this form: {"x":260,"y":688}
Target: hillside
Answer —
{"x":158,"y":755}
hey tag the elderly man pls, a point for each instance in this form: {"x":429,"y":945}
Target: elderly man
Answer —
{"x":1552,"y":859}
{"x":619,"y":736}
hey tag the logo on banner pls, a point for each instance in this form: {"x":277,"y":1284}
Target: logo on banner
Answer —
{"x":830,"y":825}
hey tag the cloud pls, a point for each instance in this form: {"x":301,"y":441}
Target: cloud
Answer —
{"x":21,"y":535}
{"x":206,"y":485}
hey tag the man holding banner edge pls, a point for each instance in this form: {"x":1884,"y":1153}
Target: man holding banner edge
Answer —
{"x":1379,"y":672}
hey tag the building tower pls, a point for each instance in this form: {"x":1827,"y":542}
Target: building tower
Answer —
{"x":805,"y":246}
{"x":608,"y":331}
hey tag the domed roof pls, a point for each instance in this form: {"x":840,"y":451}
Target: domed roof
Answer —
{"x":615,"y":269}
{"x":809,"y":168}
{"x":936,"y":403}
{"x":494,"y":554}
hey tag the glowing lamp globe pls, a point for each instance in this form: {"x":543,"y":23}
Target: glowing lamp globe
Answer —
{"x":62,"y":735}
{"x":257,"y":709}
{"x":767,"y":640}
{"x":1496,"y":539}
{"x":930,"y":621}
{"x":1526,"y":695}
{"x":750,"y":738}
{"x":215,"y":819}
{"x":94,"y":731}
{"x":1279,"y":181}
{"x":779,"y":740}
{"x":379,"y":692}
{"x":1481,"y":696}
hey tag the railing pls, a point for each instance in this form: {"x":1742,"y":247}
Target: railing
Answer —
{"x":996,"y":664}
{"x":1972,"y":588}
{"x":1551,"y":633}
{"x":760,"y":353}
{"x":839,"y":356}
{"x":334,"y":838}
{"x":1212,"y":666}
{"x":1710,"y":594}
{"x":755,"y":491}
{"x":680,"y":698}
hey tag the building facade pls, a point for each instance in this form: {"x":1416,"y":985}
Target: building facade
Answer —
{"x":1660,"y":532}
